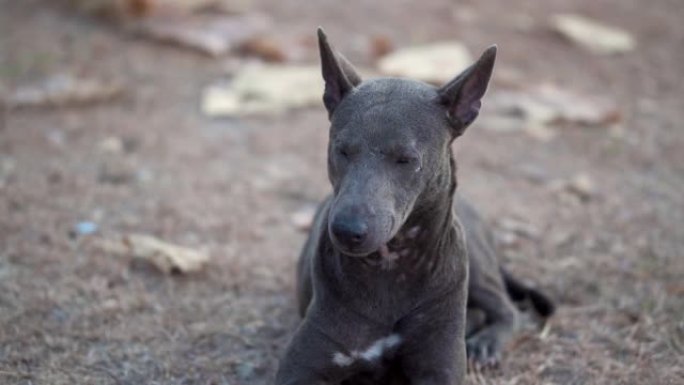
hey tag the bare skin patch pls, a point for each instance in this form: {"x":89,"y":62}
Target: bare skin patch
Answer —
{"x":389,"y":258}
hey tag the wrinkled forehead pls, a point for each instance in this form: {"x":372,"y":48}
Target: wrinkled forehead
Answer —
{"x":389,"y":110}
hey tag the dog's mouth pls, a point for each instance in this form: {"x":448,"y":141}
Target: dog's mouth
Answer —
{"x":357,"y":251}
{"x":376,"y":242}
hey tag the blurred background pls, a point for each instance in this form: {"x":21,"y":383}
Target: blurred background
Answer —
{"x":160,"y":161}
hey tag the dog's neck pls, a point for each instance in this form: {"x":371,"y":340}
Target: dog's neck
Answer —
{"x":426,"y":233}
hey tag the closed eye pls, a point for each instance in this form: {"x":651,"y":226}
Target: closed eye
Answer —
{"x":406,"y":159}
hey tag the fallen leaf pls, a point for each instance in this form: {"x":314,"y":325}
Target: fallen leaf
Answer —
{"x":231,"y":6}
{"x":274,"y":49}
{"x":265,"y":48}
{"x":380,"y":45}
{"x":111,"y":145}
{"x":264,"y":89}
{"x":144,"y":8}
{"x":435,"y":63}
{"x":112,"y":7}
{"x":185,"y":6}
{"x":593,"y":35}
{"x":546,"y":105}
{"x":211,"y":35}
{"x":586,"y":110}
{"x":64,"y":90}
{"x":166,"y":257}
{"x":582,"y":185}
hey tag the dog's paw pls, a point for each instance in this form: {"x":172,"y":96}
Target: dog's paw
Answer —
{"x":484,"y":350}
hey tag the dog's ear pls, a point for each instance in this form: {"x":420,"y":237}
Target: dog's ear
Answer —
{"x":339,"y":75}
{"x":463,"y":95}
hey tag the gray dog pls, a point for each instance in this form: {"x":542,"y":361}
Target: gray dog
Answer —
{"x":384,"y":279}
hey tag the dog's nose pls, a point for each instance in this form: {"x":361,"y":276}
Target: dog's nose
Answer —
{"x":350,"y":231}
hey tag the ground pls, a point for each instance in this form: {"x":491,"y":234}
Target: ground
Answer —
{"x":72,"y":313}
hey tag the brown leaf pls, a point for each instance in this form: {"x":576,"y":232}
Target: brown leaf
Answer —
{"x":211,"y":35}
{"x":64,"y":90}
{"x":380,"y":45}
{"x":265,"y":48}
{"x":146,"y":8}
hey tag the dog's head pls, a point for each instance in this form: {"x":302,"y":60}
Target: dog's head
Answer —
{"x":389,"y":148}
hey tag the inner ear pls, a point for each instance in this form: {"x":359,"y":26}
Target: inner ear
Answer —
{"x":462,"y":96}
{"x":339,"y":75}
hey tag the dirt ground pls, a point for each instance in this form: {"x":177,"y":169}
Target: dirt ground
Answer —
{"x":72,"y":313}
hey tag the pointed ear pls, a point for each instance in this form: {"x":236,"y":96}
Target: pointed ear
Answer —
{"x":339,"y":75}
{"x":462,"y":96}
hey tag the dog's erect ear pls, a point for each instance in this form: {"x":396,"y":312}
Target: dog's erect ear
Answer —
{"x":462,"y":96}
{"x":339,"y":75}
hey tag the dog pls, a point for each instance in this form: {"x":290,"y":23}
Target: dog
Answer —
{"x":389,"y":290}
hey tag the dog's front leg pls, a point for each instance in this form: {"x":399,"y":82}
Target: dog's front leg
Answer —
{"x":309,"y":358}
{"x":434,"y":353}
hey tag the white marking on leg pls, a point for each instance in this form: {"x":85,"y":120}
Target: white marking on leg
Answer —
{"x":388,"y":257}
{"x":376,"y":350}
{"x":341,"y":359}
{"x":372,"y":353}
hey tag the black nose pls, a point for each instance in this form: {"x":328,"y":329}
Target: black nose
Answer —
{"x":349,"y":231}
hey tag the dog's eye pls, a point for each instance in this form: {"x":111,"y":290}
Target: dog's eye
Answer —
{"x":343,"y":152}
{"x":403,"y":160}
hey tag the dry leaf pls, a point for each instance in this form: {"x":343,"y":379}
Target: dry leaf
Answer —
{"x":593,"y":35}
{"x":166,"y":257}
{"x":64,"y":90}
{"x":435,"y":63}
{"x":275,"y":48}
{"x":111,"y":145}
{"x":548,"y":105}
{"x":380,"y":45}
{"x":582,"y":185}
{"x":264,"y":89}
{"x":214,"y":35}
{"x":144,"y":8}
{"x":265,"y":48}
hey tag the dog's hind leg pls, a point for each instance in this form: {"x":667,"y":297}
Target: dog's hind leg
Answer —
{"x":491,"y":316}
{"x":519,"y":292}
{"x":493,"y":319}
